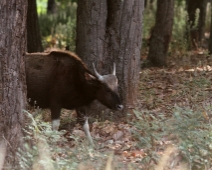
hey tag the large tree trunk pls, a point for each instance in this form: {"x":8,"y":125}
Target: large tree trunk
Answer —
{"x":161,"y":33}
{"x":12,"y":77}
{"x":110,"y":31}
{"x":124,"y":36}
{"x":34,"y":43}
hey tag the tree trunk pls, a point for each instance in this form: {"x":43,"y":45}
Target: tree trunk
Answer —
{"x":124,"y":36}
{"x":51,"y":8}
{"x":161,"y":33}
{"x":110,"y":31}
{"x":34,"y":43}
{"x":196,"y":38}
{"x":202,"y":17}
{"x":210,"y":38}
{"x":12,"y":77}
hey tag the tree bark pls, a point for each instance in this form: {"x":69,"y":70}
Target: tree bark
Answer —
{"x":210,"y":38}
{"x":51,"y":7}
{"x":161,"y":33}
{"x":12,"y":77}
{"x":34,"y":43}
{"x":192,"y":6}
{"x":111,"y":31}
{"x":124,"y":36}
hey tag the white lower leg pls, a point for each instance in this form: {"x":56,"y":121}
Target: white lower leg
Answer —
{"x":87,"y":132}
{"x":55,"y":124}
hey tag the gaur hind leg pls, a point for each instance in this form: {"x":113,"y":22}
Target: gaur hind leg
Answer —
{"x":55,"y":115}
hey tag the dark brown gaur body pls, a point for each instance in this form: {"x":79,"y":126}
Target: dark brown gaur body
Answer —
{"x":60,"y":79}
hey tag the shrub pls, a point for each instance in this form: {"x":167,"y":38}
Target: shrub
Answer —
{"x":58,"y":30}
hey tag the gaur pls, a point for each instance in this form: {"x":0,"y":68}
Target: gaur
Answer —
{"x":59,"y":79}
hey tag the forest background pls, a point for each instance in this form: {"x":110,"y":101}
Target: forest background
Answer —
{"x":171,"y":126}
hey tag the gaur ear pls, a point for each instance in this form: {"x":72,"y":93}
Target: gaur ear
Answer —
{"x":89,"y":77}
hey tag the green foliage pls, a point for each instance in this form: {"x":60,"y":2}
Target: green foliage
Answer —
{"x":179,"y":25}
{"x":179,"y":40}
{"x":59,"y":30}
{"x":62,"y":3}
{"x":190,"y":129}
{"x":148,"y":23}
{"x":149,"y":18}
{"x":180,"y":2}
{"x":41,"y":6}
{"x":194,"y":131}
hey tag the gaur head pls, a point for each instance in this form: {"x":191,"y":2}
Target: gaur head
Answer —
{"x":107,"y":92}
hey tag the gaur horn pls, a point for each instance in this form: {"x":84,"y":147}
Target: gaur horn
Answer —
{"x":114,"y":69}
{"x":96,"y":73}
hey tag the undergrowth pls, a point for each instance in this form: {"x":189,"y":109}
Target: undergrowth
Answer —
{"x":47,"y":149}
{"x":187,"y":129}
{"x":187,"y":132}
{"x":60,"y":150}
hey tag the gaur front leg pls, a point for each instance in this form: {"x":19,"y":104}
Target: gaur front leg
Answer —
{"x":81,"y":113}
{"x":55,"y":115}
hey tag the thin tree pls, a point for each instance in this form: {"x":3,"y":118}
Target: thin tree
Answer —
{"x":111,"y":31}
{"x":34,"y":43}
{"x":195,"y":32}
{"x":51,"y":7}
{"x":12,"y":78}
{"x":210,"y":38}
{"x":161,"y":33}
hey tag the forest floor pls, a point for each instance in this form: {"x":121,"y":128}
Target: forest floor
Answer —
{"x":185,"y":83}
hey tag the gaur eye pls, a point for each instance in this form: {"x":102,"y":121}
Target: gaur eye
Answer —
{"x":108,"y":90}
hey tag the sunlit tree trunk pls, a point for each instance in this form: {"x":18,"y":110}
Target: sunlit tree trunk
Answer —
{"x":12,"y":77}
{"x":111,"y":31}
{"x":161,"y":33}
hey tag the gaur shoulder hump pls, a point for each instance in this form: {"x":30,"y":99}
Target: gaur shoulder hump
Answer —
{"x":72,"y":55}
{"x":55,"y":52}
{"x":68,"y":53}
{"x":60,"y":53}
